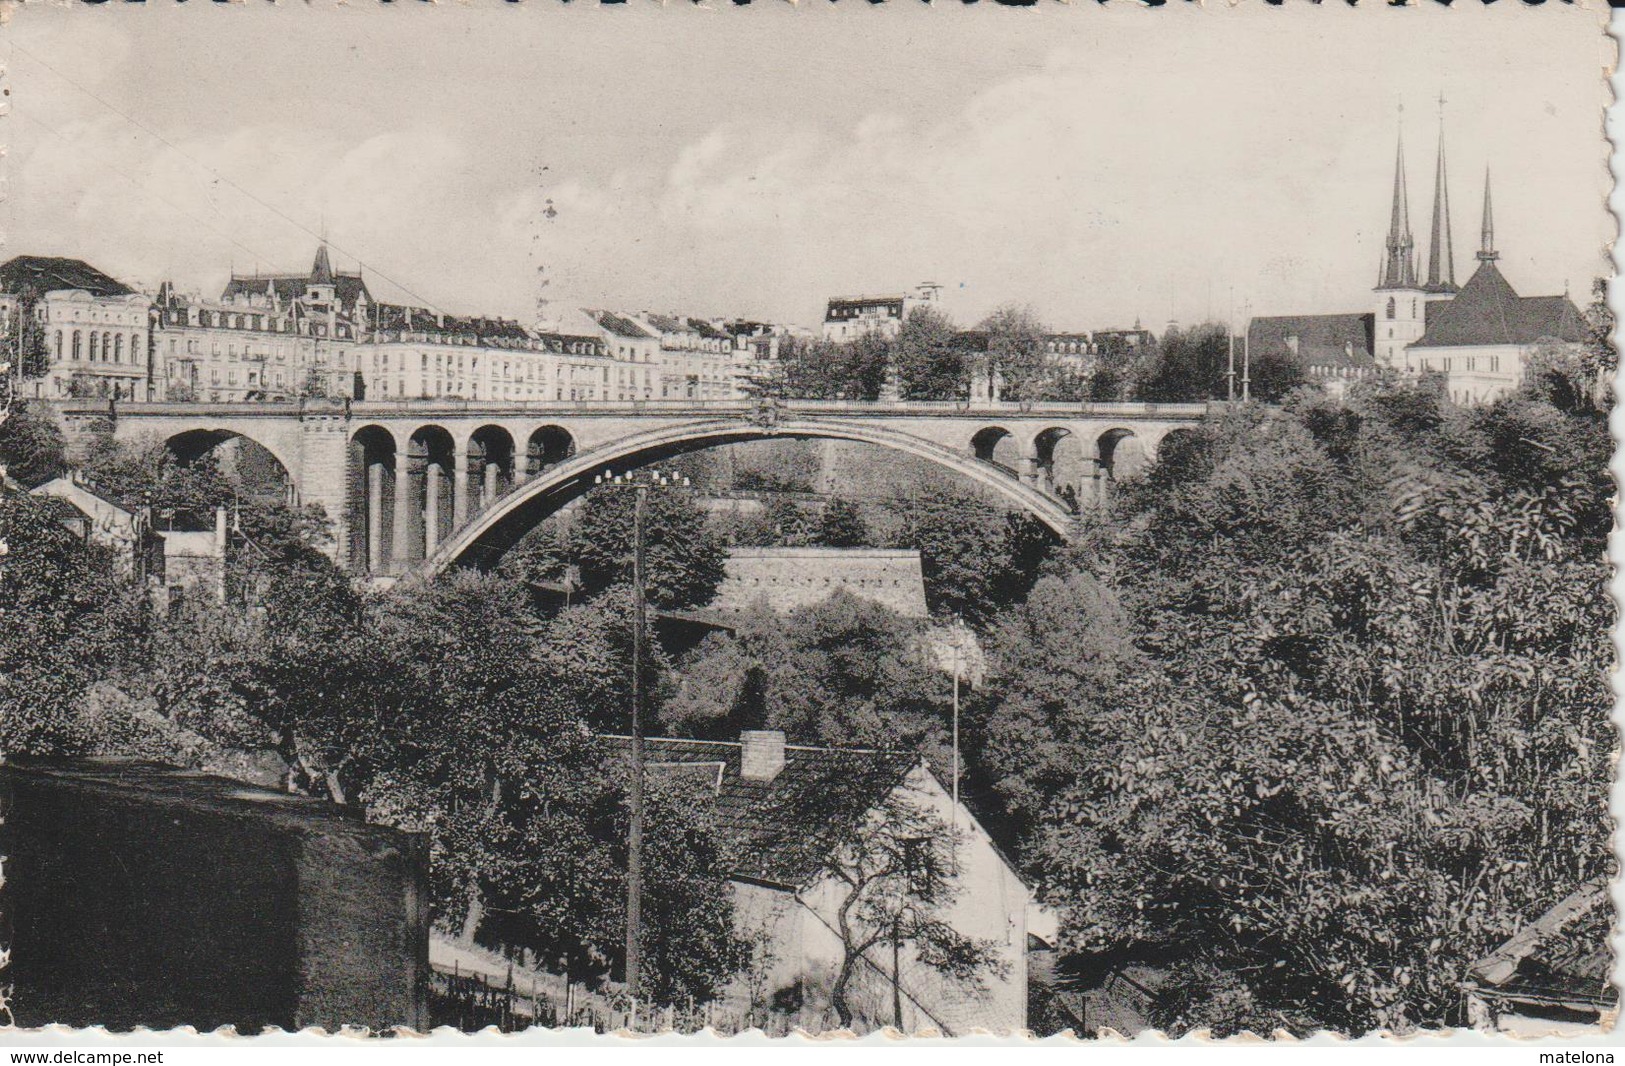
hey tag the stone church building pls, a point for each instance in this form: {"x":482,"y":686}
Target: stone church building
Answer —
{"x":1479,"y":335}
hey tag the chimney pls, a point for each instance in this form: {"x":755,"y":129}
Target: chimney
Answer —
{"x":761,"y":754}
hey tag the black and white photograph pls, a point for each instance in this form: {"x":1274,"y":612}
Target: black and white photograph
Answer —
{"x":804,"y":519}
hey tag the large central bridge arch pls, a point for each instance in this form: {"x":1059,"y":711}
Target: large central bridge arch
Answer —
{"x":483,"y":541}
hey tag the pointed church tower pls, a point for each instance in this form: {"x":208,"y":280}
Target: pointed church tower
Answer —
{"x":1486,"y":249}
{"x":1400,"y":294}
{"x":1399,"y":267}
{"x":1441,"y":247}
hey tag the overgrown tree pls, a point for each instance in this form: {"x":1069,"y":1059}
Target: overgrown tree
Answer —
{"x":976,"y":557}
{"x":32,"y":448}
{"x":931,"y":364}
{"x":1016,"y":355}
{"x":841,"y":525}
{"x":683,"y":554}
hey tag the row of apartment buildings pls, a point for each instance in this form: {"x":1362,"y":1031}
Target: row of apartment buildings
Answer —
{"x":79,"y":332}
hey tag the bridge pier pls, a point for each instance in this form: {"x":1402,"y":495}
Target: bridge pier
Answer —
{"x":375,"y":518}
{"x":431,"y":508}
{"x":402,"y":533}
{"x":459,"y":489}
{"x":490,"y":488}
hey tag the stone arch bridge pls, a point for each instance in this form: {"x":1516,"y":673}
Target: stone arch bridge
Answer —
{"x":422,"y":486}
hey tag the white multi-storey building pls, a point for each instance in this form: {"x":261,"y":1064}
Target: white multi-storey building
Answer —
{"x":697,"y":358}
{"x":846,"y":318}
{"x":73,"y":331}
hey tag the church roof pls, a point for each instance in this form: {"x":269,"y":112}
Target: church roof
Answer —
{"x":1489,"y":311}
{"x":42,"y":273}
{"x":1322,"y":340}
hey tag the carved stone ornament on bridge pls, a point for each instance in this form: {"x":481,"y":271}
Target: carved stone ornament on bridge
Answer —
{"x":766,"y":413}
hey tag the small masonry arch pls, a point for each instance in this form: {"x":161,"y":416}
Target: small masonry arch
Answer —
{"x":482,"y":542}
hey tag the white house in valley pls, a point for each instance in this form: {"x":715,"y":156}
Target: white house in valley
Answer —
{"x":773,"y":801}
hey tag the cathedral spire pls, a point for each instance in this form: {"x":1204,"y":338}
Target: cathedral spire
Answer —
{"x":1441,"y":249}
{"x":1399,"y":267}
{"x":1486,"y":251}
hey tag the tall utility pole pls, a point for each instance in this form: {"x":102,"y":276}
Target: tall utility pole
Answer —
{"x":1246,"y":359}
{"x":640,"y":625}
{"x":634,"y":834}
{"x":1230,"y":374}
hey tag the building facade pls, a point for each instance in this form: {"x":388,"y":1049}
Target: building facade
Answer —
{"x":846,"y":318}
{"x":697,"y":358}
{"x":75,"y":331}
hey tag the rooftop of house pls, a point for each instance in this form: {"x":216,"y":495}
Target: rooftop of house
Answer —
{"x":788,"y":578}
{"x":486,"y":330}
{"x":773,"y":824}
{"x":1488,"y":311}
{"x":1561,"y":957}
{"x":69,"y":488}
{"x":348,"y":289}
{"x":619,"y":325}
{"x":40,"y":273}
{"x":164,"y":785}
{"x":1322,"y":340}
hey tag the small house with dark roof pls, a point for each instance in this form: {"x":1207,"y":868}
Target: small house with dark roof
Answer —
{"x":780,"y":808}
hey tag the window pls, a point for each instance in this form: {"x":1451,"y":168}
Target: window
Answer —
{"x":59,"y":344}
{"x":118,"y":349}
{"x":1390,"y":312}
{"x":920,"y":867}
{"x":92,"y":346}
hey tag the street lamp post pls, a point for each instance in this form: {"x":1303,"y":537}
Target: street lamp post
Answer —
{"x":640,"y":619}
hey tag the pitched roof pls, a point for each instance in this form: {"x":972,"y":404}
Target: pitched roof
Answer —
{"x":1561,"y":957}
{"x":620,"y":325}
{"x":667,"y":323}
{"x":347,"y":288}
{"x":773,"y":826}
{"x":407,"y":318}
{"x":40,"y":273}
{"x":1489,"y":311}
{"x":1322,"y":340}
{"x":706,"y":329}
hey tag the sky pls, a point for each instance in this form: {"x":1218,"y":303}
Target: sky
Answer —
{"x":1102,"y":164}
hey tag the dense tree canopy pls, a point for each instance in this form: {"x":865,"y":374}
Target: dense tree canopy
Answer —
{"x":1361,"y":713}
{"x":931,"y":360}
{"x":32,"y":448}
{"x":683,"y":553}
